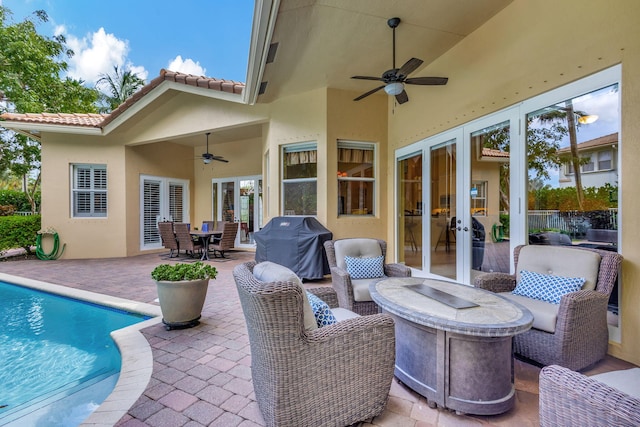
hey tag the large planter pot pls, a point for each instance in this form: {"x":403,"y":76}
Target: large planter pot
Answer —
{"x":181,"y":302}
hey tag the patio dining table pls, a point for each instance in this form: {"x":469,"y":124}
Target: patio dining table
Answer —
{"x":205,"y":239}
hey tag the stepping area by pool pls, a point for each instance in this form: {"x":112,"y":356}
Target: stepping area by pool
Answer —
{"x":202,"y":376}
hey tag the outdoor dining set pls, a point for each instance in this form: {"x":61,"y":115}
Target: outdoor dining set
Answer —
{"x":216,"y":238}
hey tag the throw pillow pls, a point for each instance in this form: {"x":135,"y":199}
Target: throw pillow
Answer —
{"x":365,"y":268}
{"x":546,"y":287}
{"x":321,"y":310}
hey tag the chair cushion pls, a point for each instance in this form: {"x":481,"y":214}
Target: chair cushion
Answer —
{"x":627,"y":381}
{"x":321,"y":311}
{"x":365,"y":268}
{"x":271,"y":272}
{"x":360,"y":247}
{"x":546,"y":287}
{"x":560,"y":261}
{"x":545,"y":314}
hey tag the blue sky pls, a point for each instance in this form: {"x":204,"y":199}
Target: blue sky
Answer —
{"x":197,"y":37}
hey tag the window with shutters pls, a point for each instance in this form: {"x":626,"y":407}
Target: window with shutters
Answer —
{"x":300,"y":179}
{"x":89,"y":190}
{"x":356,"y":178}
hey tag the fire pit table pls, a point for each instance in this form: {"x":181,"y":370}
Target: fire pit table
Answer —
{"x":454,"y":342}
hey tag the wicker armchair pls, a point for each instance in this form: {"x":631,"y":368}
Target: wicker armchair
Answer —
{"x":336,"y":375}
{"x":581,"y":334}
{"x":361,"y":301}
{"x":568,"y":398}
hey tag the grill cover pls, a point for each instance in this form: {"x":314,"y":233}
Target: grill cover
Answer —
{"x":295,"y":242}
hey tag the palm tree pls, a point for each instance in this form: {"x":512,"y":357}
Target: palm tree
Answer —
{"x":121,"y":85}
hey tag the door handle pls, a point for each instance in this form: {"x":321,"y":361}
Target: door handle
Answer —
{"x":466,"y":229}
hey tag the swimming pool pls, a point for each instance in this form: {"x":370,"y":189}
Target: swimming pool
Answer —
{"x":59,"y":360}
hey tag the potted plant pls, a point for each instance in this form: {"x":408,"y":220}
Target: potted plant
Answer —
{"x":182,"y":289}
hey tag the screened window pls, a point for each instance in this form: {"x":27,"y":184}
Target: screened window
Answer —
{"x":604,"y":160}
{"x":356,"y":178}
{"x":588,"y":166}
{"x":299,"y":179}
{"x":89,"y":191}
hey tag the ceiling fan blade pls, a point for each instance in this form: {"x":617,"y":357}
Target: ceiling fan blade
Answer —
{"x":427,"y":81}
{"x":372,"y":91}
{"x":409,"y":67}
{"x":367,"y":78}
{"x":402,"y":97}
{"x":220,"y":159}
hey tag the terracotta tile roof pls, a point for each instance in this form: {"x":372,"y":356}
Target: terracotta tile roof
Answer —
{"x":101,"y":120}
{"x":71,"y":119}
{"x":592,"y":143}
{"x":228,"y":86}
{"x":490,"y":152}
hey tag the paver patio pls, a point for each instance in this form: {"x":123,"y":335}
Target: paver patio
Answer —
{"x":202,"y":376}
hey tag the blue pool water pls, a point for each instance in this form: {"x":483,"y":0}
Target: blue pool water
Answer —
{"x":52,"y":346}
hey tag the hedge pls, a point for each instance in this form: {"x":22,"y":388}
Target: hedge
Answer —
{"x":17,"y":199}
{"x":19,"y":232}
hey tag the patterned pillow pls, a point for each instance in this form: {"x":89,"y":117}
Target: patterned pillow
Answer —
{"x":365,"y":268}
{"x":321,"y":310}
{"x":545,"y":287}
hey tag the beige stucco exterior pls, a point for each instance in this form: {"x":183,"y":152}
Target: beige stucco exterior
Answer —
{"x":527,"y":49}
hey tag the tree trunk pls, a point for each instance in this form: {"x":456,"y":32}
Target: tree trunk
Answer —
{"x":575,"y":159}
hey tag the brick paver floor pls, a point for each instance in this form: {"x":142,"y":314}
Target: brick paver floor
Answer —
{"x":202,"y":376}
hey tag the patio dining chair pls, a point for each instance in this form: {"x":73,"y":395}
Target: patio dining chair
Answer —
{"x":168,"y":237}
{"x":227,"y":240}
{"x":185,"y":240}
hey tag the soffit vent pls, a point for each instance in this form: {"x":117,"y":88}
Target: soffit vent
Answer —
{"x":263,"y":88}
{"x":271,"y":55}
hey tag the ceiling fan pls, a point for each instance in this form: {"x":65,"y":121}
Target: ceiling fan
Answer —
{"x":208,"y":157}
{"x":395,"y":78}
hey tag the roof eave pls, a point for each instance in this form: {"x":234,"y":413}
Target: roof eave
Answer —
{"x":264,"y":21}
{"x":159,"y":91}
{"x":35,"y":130}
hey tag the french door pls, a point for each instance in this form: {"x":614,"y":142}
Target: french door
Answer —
{"x":161,"y":199}
{"x":239,"y":199}
{"x":453,"y":191}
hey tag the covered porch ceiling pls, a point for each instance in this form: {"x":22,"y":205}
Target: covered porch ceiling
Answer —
{"x":322,"y":43}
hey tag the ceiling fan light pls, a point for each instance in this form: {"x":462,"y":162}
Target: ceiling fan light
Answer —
{"x":394,"y":88}
{"x":206,"y":160}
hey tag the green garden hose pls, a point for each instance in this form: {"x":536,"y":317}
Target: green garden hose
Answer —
{"x":53,"y":255}
{"x":497,"y":233}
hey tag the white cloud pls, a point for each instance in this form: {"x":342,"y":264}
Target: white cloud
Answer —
{"x":97,"y":54}
{"x":186,"y":66}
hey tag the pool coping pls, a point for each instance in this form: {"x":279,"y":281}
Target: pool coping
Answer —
{"x":135,"y":350}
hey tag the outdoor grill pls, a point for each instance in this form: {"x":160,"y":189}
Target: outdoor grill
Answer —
{"x":295,"y":242}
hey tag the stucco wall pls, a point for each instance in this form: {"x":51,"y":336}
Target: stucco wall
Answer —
{"x":246,"y":160}
{"x":527,"y":49}
{"x":85,"y":237}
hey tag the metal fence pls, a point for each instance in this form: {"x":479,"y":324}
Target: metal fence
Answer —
{"x":573,"y":223}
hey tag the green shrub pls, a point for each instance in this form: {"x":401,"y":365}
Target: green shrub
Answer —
{"x":178,"y":272}
{"x":18,"y":199}
{"x":19,"y":232}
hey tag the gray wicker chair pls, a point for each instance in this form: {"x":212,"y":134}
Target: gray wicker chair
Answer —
{"x":581,"y":335}
{"x":341,"y":280}
{"x":336,"y":375}
{"x":568,"y":398}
